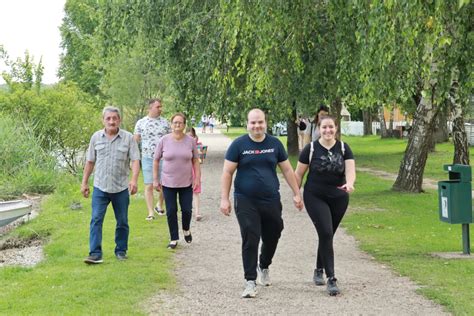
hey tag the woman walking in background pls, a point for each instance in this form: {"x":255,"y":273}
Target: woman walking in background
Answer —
{"x":197,"y":190}
{"x":330,"y":179}
{"x":179,"y":152}
{"x":314,"y":130}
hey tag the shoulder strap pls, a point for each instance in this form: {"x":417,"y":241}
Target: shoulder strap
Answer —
{"x":311,"y":153}
{"x":343,"y":149}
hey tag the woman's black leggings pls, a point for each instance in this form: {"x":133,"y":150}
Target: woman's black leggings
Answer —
{"x":326,"y":208}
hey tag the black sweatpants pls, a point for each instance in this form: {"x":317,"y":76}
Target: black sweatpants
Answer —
{"x":186,"y":203}
{"x":326,"y":208}
{"x":258,"y":219}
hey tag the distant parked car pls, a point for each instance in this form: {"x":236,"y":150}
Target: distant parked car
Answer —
{"x":279,"y":129}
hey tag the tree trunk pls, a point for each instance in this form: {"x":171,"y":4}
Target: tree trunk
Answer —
{"x":441,"y":134}
{"x":383,"y":125}
{"x":292,"y":133}
{"x":336,"y":111}
{"x":367,"y":117}
{"x":390,"y":123}
{"x":461,"y":147}
{"x":410,"y":175}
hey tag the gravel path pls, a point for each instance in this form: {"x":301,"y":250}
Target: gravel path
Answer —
{"x":210,"y":275}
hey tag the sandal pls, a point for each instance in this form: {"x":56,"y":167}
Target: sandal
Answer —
{"x":150,"y":218}
{"x":188,"y":238}
{"x":159,"y":211}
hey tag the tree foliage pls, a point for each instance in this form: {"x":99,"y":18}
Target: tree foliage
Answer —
{"x":59,"y":116}
{"x":286,"y":57}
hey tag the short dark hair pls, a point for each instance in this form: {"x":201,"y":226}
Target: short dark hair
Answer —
{"x":323,"y":107}
{"x":151,"y":101}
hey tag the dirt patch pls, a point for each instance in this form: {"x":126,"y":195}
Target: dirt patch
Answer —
{"x":25,"y":252}
{"x":18,"y":243}
{"x":21,"y":252}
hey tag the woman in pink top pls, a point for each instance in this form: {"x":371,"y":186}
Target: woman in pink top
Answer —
{"x":179,"y":152}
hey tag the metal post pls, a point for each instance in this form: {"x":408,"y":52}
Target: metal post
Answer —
{"x":466,"y":244}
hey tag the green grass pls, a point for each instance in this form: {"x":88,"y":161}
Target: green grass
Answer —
{"x":387,"y":154}
{"x":63,"y":284}
{"x":402,"y":230}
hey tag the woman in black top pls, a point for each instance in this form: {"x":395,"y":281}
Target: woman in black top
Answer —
{"x":330,"y":179}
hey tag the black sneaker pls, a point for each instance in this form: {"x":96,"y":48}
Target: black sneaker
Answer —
{"x":318,"y":277}
{"x":121,"y":256}
{"x":93,"y":259}
{"x":332,"y":288}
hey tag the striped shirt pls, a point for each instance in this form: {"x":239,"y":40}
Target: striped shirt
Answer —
{"x":112,"y":159}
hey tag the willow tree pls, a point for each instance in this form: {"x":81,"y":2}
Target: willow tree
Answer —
{"x":273,"y":56}
{"x":440,"y":59}
{"x":406,"y":57}
{"x":81,"y":62}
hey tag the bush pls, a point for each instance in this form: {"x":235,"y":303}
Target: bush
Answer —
{"x":24,"y":166}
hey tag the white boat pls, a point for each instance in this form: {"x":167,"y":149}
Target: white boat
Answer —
{"x":13,"y":210}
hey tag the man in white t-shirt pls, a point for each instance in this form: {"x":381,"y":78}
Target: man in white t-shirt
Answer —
{"x":204,"y":121}
{"x":149,"y":130}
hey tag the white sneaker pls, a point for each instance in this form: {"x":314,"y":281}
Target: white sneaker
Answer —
{"x":250,"y":290}
{"x":263,"y":276}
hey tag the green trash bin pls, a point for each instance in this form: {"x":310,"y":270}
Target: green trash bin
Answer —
{"x":455,"y":197}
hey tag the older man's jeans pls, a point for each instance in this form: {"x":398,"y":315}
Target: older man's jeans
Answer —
{"x":100,"y":201}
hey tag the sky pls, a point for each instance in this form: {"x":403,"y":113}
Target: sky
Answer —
{"x":32,"y":25}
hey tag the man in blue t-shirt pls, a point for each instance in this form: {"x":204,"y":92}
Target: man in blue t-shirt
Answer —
{"x":256,"y":196}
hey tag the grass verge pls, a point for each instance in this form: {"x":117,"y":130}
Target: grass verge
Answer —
{"x":63,"y":284}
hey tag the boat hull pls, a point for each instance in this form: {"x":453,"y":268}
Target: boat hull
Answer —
{"x":13,"y":210}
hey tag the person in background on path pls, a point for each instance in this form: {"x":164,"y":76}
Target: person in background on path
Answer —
{"x":197,"y":190}
{"x":256,"y":196}
{"x":302,"y":125}
{"x":180,"y":155}
{"x":110,"y":152}
{"x":204,"y":122}
{"x":149,"y":130}
{"x":212,"y":123}
{"x":330,"y":179}
{"x":322,"y":111}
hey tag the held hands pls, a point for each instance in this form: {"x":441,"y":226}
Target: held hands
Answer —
{"x":225,"y":207}
{"x":85,"y":190}
{"x":298,"y":202}
{"x":349,"y":188}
